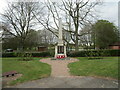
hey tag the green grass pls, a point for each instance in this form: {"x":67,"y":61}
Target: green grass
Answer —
{"x":31,"y":70}
{"x":106,"y":67}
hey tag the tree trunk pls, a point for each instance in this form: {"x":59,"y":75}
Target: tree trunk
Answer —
{"x":21,"y":45}
{"x":76,"y":44}
{"x":76,"y":40}
{"x":76,"y":28}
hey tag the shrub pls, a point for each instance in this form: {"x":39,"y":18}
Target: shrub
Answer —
{"x":77,"y":54}
{"x":69,"y":54}
{"x":113,"y":52}
{"x":94,"y":53}
{"x":52,"y":53}
{"x":9,"y":54}
{"x":41,"y":54}
{"x":25,"y":56}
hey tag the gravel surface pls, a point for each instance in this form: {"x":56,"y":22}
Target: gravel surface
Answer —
{"x":59,"y":67}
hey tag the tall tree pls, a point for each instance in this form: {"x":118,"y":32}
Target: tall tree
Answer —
{"x":104,"y":33}
{"x":74,"y":13}
{"x":80,"y":13}
{"x":85,"y":39}
{"x":10,"y":41}
{"x":19,"y":19}
{"x":31,"y":39}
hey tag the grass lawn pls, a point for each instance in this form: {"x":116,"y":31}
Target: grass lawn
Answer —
{"x":106,"y":67}
{"x":31,"y":70}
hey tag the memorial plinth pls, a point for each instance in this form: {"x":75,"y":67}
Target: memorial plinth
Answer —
{"x":60,"y":48}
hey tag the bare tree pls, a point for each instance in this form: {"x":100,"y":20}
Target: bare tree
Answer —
{"x":46,"y":37}
{"x":75,"y":14}
{"x":49,"y":19}
{"x":80,"y":13}
{"x":19,"y":19}
{"x":85,"y":39}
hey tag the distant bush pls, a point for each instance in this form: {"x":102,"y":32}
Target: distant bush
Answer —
{"x":35,"y":54}
{"x":94,"y":53}
{"x":41,"y":54}
{"x":25,"y":56}
{"x":9,"y":54}
{"x":87,"y":53}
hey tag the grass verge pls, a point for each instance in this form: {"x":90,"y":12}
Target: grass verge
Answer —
{"x":30,"y":70}
{"x":106,"y":67}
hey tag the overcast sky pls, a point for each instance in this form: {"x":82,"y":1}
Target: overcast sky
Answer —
{"x":108,"y":11}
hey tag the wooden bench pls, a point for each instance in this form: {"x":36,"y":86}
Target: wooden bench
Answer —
{"x":11,"y":73}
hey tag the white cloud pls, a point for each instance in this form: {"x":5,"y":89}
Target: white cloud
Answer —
{"x":3,"y":4}
{"x":109,"y":11}
{"x":111,"y":0}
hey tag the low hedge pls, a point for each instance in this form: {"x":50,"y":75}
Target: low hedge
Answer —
{"x":9,"y":54}
{"x":70,"y":54}
{"x":41,"y":54}
{"x":38,"y":54}
{"x":94,"y":53}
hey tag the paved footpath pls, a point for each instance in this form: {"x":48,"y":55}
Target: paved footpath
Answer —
{"x":60,"y":78}
{"x":59,"y":67}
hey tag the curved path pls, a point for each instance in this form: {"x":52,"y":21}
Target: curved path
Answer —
{"x":60,"y":78}
{"x":59,"y":67}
